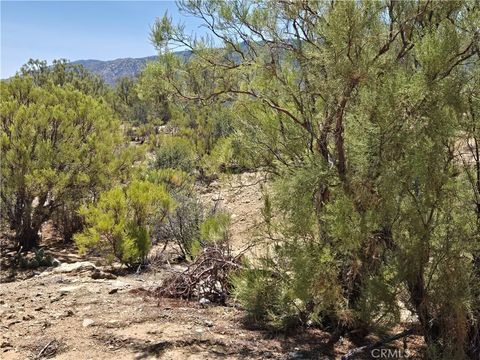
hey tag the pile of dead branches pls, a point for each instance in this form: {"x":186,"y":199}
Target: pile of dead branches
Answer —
{"x":207,"y":277}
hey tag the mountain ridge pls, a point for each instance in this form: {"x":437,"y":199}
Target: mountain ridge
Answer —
{"x":112,"y":70}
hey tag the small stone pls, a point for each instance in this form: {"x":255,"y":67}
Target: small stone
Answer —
{"x":113,"y":291}
{"x":38,"y":308}
{"x":296,"y":355}
{"x":88,"y":322}
{"x":74,"y":267}
{"x":69,"y":289}
{"x":57,"y":298}
{"x":119,"y":284}
{"x":28,"y":317}
{"x":204,"y":301}
{"x":209,"y":323}
{"x":5,"y":344}
{"x":98,"y":274}
{"x":46,"y":324}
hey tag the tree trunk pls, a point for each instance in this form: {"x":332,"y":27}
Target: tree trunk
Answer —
{"x":28,"y":237}
{"x":26,"y":229}
{"x":430,"y":327}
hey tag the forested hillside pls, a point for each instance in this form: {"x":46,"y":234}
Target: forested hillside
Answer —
{"x":309,"y":167}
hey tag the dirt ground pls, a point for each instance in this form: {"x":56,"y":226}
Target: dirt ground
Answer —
{"x":69,"y":312}
{"x":69,"y":315}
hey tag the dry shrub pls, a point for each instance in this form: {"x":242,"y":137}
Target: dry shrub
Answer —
{"x":207,"y":277}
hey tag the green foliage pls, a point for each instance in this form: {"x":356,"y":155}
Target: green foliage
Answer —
{"x":182,"y":225}
{"x":175,"y":153}
{"x":297,"y":285}
{"x":207,"y":126}
{"x":174,"y":179}
{"x":257,"y":290}
{"x":214,"y":229}
{"x":366,"y":116}
{"x":62,"y":73}
{"x":59,"y":147}
{"x":118,"y":225}
{"x":131,"y":108}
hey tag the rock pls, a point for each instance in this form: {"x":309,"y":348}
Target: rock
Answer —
{"x":38,"y":308}
{"x":57,"y":298}
{"x":119,"y":284}
{"x":5,"y":344}
{"x":98,"y":274}
{"x":55,"y":262}
{"x":75,"y":267}
{"x":204,"y":301}
{"x":113,"y":291}
{"x":69,"y":289}
{"x":28,"y":317}
{"x":209,"y":323}
{"x":88,"y":322}
{"x":296,"y":355}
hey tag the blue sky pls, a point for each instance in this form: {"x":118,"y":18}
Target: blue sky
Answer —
{"x":75,"y":30}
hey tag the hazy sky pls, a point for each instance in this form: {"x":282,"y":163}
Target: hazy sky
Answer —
{"x":75,"y":30}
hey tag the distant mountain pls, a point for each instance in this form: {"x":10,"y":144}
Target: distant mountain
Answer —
{"x":112,"y":70}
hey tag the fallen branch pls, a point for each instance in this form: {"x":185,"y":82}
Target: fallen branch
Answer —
{"x":44,"y":349}
{"x":207,"y":277}
{"x":375,"y":345}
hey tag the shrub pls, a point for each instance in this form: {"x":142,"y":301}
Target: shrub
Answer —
{"x":119,"y":224}
{"x":183,"y":224}
{"x":175,"y":180}
{"x":59,"y":146}
{"x":297,"y":285}
{"x":214,"y":230}
{"x":227,"y":156}
{"x":175,"y":153}
{"x":256,"y":290}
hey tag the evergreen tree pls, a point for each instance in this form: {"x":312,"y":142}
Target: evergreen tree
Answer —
{"x":359,"y":110}
{"x":59,"y":148}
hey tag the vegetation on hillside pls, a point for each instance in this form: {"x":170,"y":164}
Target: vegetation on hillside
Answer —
{"x":365,"y":116}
